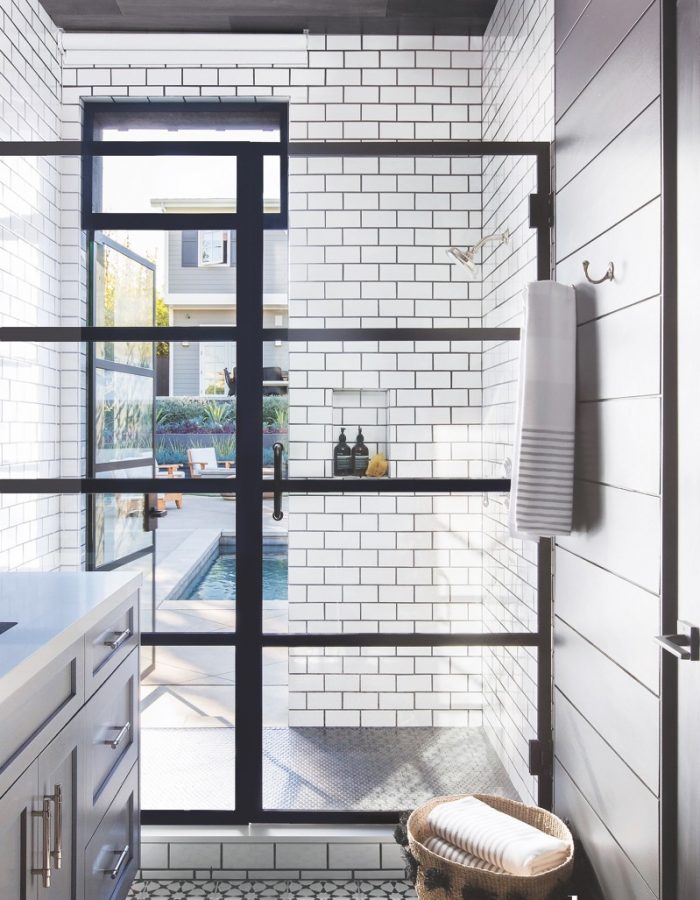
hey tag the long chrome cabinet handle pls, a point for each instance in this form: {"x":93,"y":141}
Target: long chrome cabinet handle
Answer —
{"x":119,"y":638}
{"x":123,"y":856}
{"x":45,"y":815}
{"x":123,"y":732}
{"x":57,"y":852}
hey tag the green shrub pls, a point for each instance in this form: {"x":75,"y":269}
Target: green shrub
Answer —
{"x":173,"y":410}
{"x":275,"y":410}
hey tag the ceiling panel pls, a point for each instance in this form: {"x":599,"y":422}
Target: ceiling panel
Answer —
{"x":280,"y":16}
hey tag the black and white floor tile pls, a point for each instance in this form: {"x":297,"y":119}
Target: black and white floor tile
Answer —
{"x":273,"y":890}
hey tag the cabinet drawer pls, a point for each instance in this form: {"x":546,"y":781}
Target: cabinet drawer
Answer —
{"x":112,"y":855}
{"x":38,"y":711}
{"x":111,"y":728}
{"x":109,"y":643}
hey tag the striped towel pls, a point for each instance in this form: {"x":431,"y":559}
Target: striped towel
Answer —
{"x":448,"y":851}
{"x":500,"y":839}
{"x":543,"y":456}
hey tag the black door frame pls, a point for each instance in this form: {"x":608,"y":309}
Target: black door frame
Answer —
{"x":250,"y":222}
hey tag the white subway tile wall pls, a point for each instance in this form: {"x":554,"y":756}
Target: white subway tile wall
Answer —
{"x":38,"y":407}
{"x":368,"y":238}
{"x":518,"y":104}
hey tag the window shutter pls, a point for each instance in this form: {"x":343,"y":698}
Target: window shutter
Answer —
{"x":190,"y":249}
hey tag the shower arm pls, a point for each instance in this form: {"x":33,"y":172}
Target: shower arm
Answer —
{"x":501,"y":237}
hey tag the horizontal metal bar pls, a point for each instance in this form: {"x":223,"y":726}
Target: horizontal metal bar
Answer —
{"x":184,"y":148}
{"x":145,"y":462}
{"x":225,"y":485}
{"x":391,"y":485}
{"x":259,"y":817}
{"x":230,"y":332}
{"x":41,"y":148}
{"x":155,"y":221}
{"x":111,"y":366}
{"x":362,"y":639}
{"x":513,"y":639}
{"x":418,"y":148}
{"x":392,"y":334}
{"x":85,"y":333}
{"x":124,"y":560}
{"x":296,"y":149}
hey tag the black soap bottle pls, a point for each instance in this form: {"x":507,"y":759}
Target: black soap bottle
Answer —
{"x":360,"y":455}
{"x":342,"y":456}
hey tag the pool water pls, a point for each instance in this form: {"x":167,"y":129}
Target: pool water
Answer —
{"x":218,"y":582}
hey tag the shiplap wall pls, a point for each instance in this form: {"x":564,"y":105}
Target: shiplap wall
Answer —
{"x":607,"y":582}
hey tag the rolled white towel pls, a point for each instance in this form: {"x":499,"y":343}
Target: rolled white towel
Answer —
{"x":496,"y":837}
{"x":448,"y":851}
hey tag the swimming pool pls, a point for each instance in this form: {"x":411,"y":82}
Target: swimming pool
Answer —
{"x":218,"y":580}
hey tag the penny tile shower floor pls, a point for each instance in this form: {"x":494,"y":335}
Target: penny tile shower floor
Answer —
{"x":273,"y":890}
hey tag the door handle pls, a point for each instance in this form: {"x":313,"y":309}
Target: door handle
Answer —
{"x":277,"y":450}
{"x":120,"y":637}
{"x":44,"y":871}
{"x":685,"y":644}
{"x":123,"y":732}
{"x":57,"y":852}
{"x":123,"y":856}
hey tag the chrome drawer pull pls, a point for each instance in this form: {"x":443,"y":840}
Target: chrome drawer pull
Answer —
{"x":123,"y":856}
{"x":57,"y":852}
{"x":119,"y":639}
{"x":45,"y":815}
{"x":123,"y":731}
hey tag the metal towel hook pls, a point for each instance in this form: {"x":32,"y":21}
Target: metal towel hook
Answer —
{"x":609,"y":275}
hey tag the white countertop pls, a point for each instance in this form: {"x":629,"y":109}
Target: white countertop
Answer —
{"x":52,"y":611}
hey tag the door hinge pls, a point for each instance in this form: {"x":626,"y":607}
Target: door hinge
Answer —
{"x":540,"y":757}
{"x":541,"y":210}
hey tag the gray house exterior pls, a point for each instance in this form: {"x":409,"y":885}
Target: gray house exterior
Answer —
{"x":200,"y":289}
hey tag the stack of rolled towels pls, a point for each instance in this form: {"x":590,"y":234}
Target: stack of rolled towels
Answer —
{"x":472,"y":833}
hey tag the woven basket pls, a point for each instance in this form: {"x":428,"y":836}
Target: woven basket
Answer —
{"x":460,"y":881}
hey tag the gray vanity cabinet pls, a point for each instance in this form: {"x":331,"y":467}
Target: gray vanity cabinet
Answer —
{"x":60,"y":774}
{"x":16,"y":824}
{"x":69,"y":798}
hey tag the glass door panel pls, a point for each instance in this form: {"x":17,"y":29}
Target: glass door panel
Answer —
{"x":123,"y":286}
{"x":377,"y":728}
{"x":195,"y":590}
{"x":122,"y":421}
{"x":188,"y":718}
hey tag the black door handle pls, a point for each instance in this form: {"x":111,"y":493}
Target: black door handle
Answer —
{"x":277,"y":450}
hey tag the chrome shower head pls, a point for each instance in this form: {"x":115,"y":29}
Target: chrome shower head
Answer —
{"x":464,"y":257}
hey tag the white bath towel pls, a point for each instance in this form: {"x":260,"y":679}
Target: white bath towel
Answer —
{"x":498,"y":838}
{"x":542,"y":480}
{"x":455,"y":854}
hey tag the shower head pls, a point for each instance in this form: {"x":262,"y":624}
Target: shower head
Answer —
{"x":466,"y":257}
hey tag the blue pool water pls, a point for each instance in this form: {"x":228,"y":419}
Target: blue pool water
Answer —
{"x":218,"y":582}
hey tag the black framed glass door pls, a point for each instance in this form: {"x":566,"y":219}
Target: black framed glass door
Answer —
{"x":310,"y":650}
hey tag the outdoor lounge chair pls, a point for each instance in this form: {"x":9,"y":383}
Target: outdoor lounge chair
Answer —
{"x":203,"y":463}
{"x":169,"y":470}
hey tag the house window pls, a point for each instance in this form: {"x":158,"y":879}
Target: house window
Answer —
{"x":213,"y":248}
{"x":214,"y":357}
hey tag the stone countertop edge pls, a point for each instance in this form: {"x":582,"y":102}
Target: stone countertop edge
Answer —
{"x":31,"y":597}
